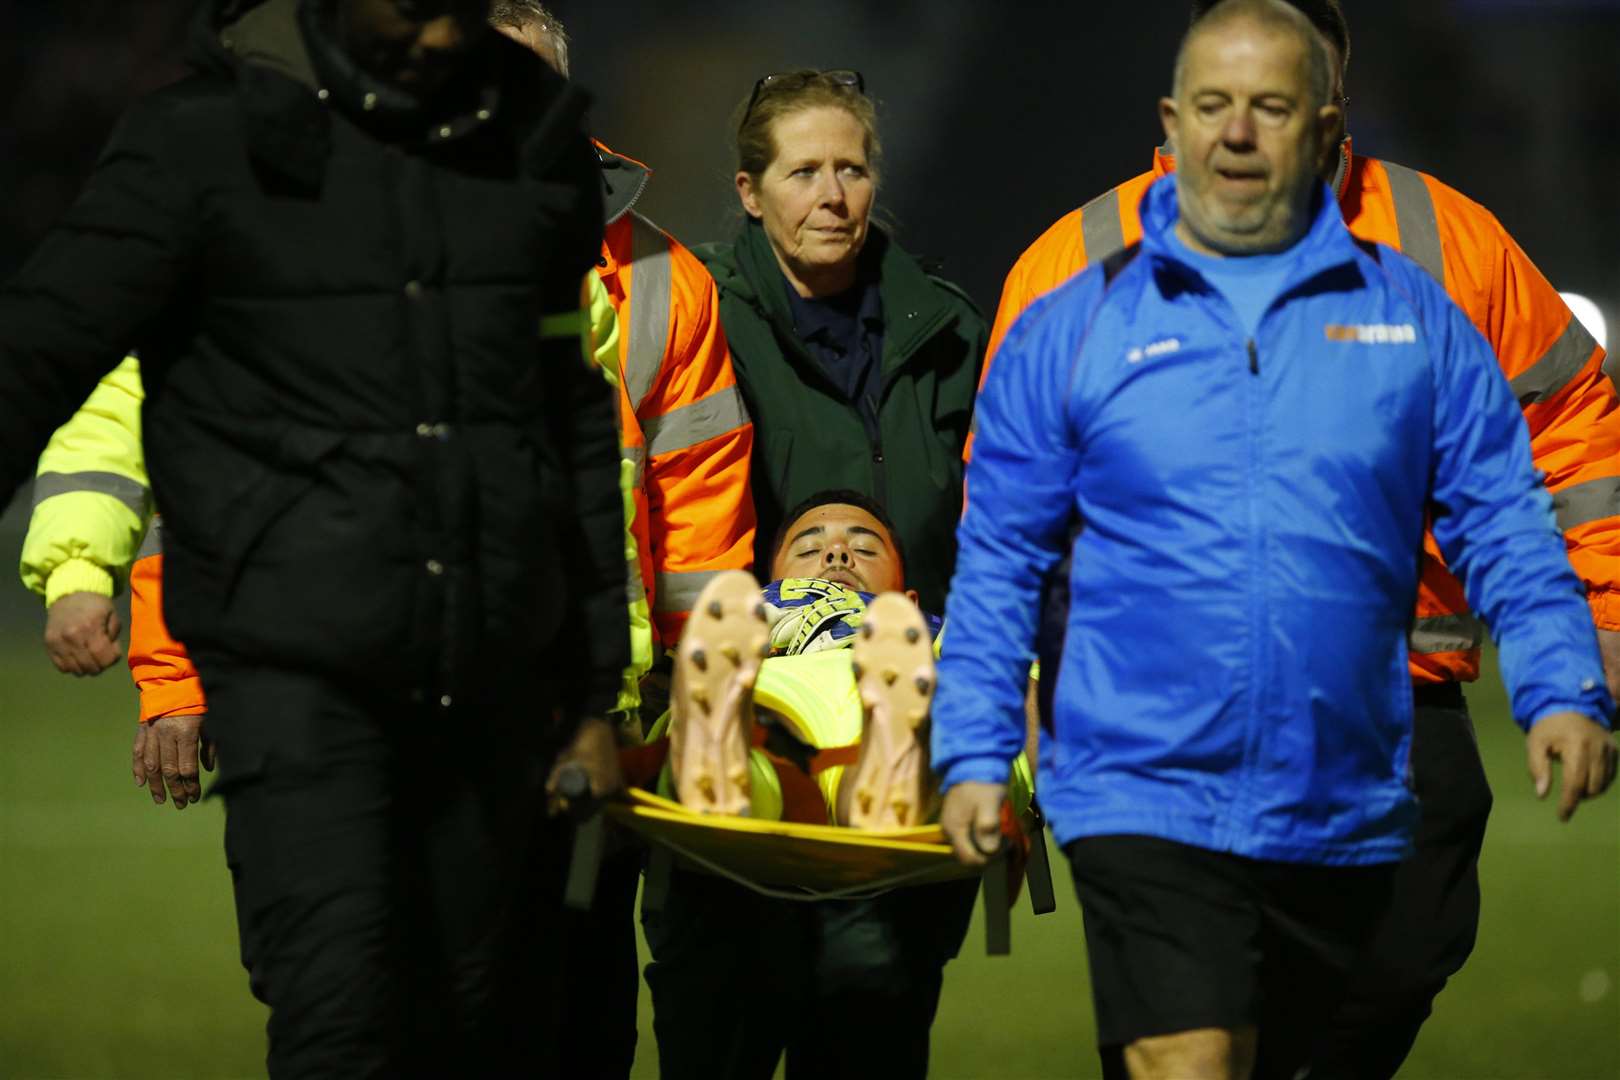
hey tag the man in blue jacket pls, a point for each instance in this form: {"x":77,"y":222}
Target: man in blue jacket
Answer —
{"x":1236,"y":431}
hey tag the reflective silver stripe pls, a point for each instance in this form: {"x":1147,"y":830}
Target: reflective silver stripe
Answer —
{"x":721,"y":412}
{"x":637,"y":456}
{"x":1414,"y":217}
{"x":1446,"y":633}
{"x":1561,"y":362}
{"x":1591,"y":501}
{"x":152,"y":543}
{"x":647,"y":335}
{"x":679,"y":592}
{"x":636,"y":589}
{"x":1100,"y":227}
{"x":131,"y":493}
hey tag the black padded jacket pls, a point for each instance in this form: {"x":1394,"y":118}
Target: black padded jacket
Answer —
{"x":370,"y":462}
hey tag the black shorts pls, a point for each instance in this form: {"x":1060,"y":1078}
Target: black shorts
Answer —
{"x":1183,"y":938}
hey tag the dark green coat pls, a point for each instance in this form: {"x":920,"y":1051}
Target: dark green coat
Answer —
{"x":808,"y":437}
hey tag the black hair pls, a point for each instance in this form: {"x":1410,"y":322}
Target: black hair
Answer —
{"x":837,"y":496}
{"x":1326,"y":15}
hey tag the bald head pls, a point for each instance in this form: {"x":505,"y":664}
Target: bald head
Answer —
{"x":1326,"y":15}
{"x":1272,"y":16}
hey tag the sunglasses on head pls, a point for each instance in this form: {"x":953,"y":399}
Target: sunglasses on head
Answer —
{"x":796,"y":80}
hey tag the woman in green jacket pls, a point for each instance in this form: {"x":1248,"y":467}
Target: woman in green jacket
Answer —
{"x":859,"y":368}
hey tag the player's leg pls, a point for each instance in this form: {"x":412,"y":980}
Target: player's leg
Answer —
{"x":711,"y":700}
{"x":890,"y":785}
{"x":1429,"y":927}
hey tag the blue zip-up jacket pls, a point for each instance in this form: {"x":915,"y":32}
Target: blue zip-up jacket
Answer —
{"x":1250,"y":515}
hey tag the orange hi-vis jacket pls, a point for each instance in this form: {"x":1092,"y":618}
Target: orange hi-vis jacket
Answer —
{"x":161,"y":666}
{"x":1553,"y":364}
{"x":683,"y":423}
{"x":683,"y":419}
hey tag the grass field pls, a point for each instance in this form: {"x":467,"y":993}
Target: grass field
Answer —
{"x":118,"y":943}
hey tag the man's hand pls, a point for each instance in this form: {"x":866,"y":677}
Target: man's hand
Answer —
{"x":1609,"y":646}
{"x":81,"y":633}
{"x":971,"y":818}
{"x":167,"y":751}
{"x":595,"y":748}
{"x":1586,"y":751}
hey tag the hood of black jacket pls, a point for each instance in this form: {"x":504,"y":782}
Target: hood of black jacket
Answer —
{"x":290,"y":74}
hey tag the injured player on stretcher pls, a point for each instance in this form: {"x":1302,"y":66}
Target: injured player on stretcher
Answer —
{"x":807,"y":701}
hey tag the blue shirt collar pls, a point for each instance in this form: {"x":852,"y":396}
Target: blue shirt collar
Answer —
{"x":1326,"y":245}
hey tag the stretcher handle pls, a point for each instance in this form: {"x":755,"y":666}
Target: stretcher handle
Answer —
{"x":1038,"y":872}
{"x":997,"y":906}
{"x":574,"y":784}
{"x":590,"y":837}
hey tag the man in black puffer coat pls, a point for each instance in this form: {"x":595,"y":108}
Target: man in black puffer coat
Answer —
{"x":349,"y":249}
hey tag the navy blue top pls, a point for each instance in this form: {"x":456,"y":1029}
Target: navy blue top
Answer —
{"x":844,"y":333}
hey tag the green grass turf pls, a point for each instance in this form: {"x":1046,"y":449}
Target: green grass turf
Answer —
{"x":118,"y":947}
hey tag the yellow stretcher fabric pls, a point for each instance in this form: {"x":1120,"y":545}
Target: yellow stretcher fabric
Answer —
{"x":812,"y":861}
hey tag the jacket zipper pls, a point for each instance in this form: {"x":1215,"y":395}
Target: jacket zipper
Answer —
{"x":1252,"y":737}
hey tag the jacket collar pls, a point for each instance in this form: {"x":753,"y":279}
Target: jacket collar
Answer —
{"x":914,"y":307}
{"x":1164,"y":163}
{"x":623,"y":181}
{"x":288,"y":74}
{"x":468,"y":102}
{"x":1326,"y":245}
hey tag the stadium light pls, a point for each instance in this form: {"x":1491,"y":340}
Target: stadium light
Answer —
{"x":1591,"y":316}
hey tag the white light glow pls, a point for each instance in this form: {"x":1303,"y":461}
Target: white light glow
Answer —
{"x":1590,"y":315}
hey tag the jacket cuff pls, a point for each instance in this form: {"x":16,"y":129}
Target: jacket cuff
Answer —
{"x":976,"y":770}
{"x":1584,"y":708}
{"x":77,"y":575}
{"x":1605,"y":605}
{"x":178,"y":697}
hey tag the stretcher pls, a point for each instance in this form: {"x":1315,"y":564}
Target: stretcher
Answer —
{"x":792,"y":861}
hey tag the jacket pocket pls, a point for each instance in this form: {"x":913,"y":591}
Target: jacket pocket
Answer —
{"x":278,"y":489}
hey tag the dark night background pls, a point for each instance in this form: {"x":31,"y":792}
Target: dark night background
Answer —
{"x":997,"y":117}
